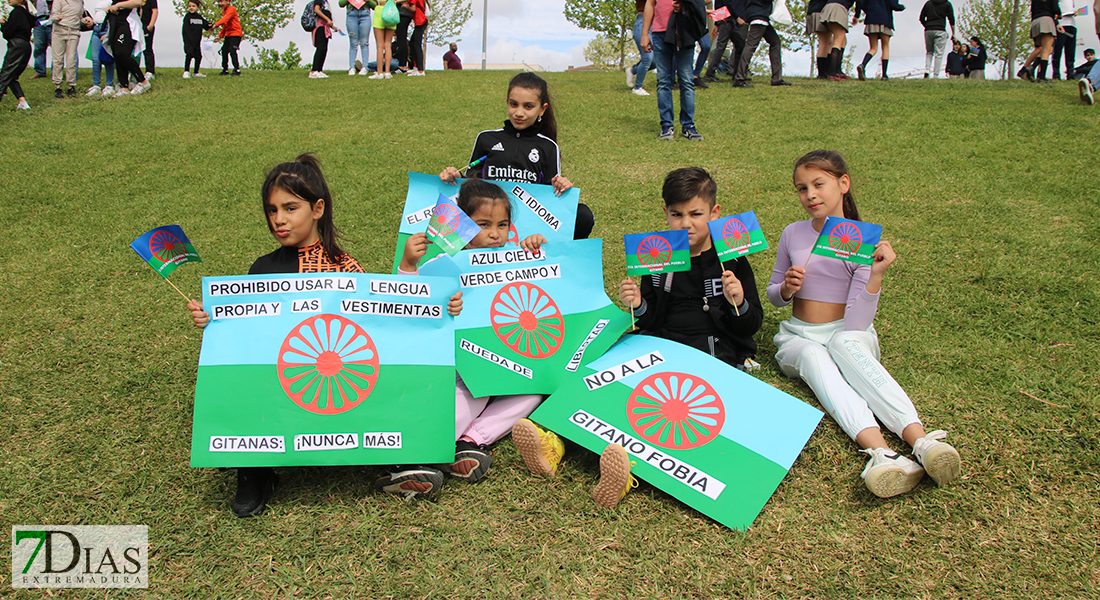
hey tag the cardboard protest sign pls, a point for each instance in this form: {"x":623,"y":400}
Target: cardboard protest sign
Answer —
{"x":737,"y":235}
{"x":325,"y":369}
{"x":449,"y":227}
{"x":715,"y":438}
{"x":529,"y":321}
{"x":535,"y":209}
{"x":853,"y":241}
{"x":165,"y":248}
{"x":657,"y":252}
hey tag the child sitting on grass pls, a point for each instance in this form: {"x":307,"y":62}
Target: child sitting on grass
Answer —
{"x":714,"y":308}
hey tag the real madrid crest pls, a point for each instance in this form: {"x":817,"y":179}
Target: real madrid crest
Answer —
{"x":534,"y":155}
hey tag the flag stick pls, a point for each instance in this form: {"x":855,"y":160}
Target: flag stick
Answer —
{"x":473,"y":164}
{"x":177,"y":289}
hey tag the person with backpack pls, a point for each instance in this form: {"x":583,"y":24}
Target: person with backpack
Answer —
{"x":322,"y":27}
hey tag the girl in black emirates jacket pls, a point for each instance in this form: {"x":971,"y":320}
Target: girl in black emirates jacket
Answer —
{"x":525,"y":149}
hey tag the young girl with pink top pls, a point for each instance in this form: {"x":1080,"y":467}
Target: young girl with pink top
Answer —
{"x":479,"y":422}
{"x":831,"y":343}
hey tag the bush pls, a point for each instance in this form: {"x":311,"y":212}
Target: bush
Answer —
{"x":271,"y":60}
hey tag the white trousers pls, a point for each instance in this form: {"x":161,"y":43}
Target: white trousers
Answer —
{"x":843,"y":369}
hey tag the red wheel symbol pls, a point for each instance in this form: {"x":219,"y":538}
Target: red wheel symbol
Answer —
{"x":444,"y":219}
{"x":654,"y":251}
{"x":328,"y":365}
{"x":845,"y":237}
{"x":735,"y":233}
{"x":166,"y":247}
{"x":513,"y":234}
{"x":675,"y":410}
{"x":527,"y":320}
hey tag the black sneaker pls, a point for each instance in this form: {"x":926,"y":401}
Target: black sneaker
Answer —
{"x":416,"y":482}
{"x":885,"y":78}
{"x":236,"y":73}
{"x":471,"y":462}
{"x":71,"y":92}
{"x":57,"y":93}
{"x":224,"y":72}
{"x":689,"y":132}
{"x":861,"y":73}
{"x":667,"y":134}
{"x":742,"y":84}
{"x":781,"y":82}
{"x":711,"y":79}
{"x":255,"y":486}
{"x":699,"y":83}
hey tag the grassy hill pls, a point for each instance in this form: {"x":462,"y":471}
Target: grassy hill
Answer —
{"x":988,"y":191}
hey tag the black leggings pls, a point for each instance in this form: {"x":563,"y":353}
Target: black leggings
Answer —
{"x":196,"y":56}
{"x":150,"y":60}
{"x":320,"y":45}
{"x":401,"y":52}
{"x":125,"y":64}
{"x":416,"y":48}
{"x":19,"y":50}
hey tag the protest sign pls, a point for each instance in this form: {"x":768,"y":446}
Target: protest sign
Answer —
{"x":325,"y":369}
{"x":715,"y":438}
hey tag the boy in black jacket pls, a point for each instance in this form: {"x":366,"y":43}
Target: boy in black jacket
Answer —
{"x":193,"y":26}
{"x":714,"y":307}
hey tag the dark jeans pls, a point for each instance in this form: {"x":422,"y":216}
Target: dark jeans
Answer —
{"x":320,"y":45}
{"x":1067,"y":42}
{"x":728,"y":31}
{"x":229,"y":48}
{"x":42,"y":36}
{"x":775,"y":52}
{"x":150,"y":60}
{"x":19,"y":50}
{"x":416,"y":47}
{"x":401,"y":52}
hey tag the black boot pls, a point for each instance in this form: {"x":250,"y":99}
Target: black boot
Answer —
{"x":1041,"y":71}
{"x":823,"y":67}
{"x":885,"y":67}
{"x":255,"y":486}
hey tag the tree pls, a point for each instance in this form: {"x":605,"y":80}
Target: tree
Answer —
{"x":991,"y":20}
{"x":259,"y":18}
{"x":446,"y":21}
{"x":613,"y":18}
{"x":604,"y":53}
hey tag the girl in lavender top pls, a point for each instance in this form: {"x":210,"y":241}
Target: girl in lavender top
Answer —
{"x":831,"y":343}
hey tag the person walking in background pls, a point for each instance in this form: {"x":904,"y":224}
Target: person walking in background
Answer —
{"x":975,"y":64}
{"x":358,"y":24}
{"x":451,"y":61}
{"x":727,"y":30}
{"x":635,"y":76}
{"x":935,"y":16}
{"x":1066,"y":42}
{"x":232,"y":33}
{"x":149,"y":14}
{"x":835,"y":17}
{"x":1044,"y":28}
{"x":757,"y":15}
{"x":43,"y":31}
{"x":878,"y":26}
{"x":17,"y":28}
{"x":67,"y":16}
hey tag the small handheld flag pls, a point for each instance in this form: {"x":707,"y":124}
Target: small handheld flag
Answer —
{"x":164,"y":249}
{"x":1084,"y":10}
{"x":721,"y":14}
{"x":449,"y":227}
{"x":657,"y":252}
{"x":853,"y":241}
{"x":737,"y":235}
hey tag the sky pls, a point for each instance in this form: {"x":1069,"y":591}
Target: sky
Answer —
{"x":536,"y":32}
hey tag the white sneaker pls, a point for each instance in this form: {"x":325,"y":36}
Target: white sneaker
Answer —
{"x":141,"y":88}
{"x":23,"y":105}
{"x":108,"y":92}
{"x":313,"y":74}
{"x":187,"y":74}
{"x":122,"y":92}
{"x":199,"y":75}
{"x":940,"y":460}
{"x":629,"y":77}
{"x":377,"y":76}
{"x":387,"y":75}
{"x":93,"y":91}
{"x":639,"y":92}
{"x":416,"y":73}
{"x":364,"y":72}
{"x":351,"y":71}
{"x":1084,"y":89}
{"x":321,"y":75}
{"x":150,"y":76}
{"x":889,"y":474}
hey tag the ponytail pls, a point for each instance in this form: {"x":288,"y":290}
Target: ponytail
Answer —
{"x":832,"y":163}
{"x":303,"y":178}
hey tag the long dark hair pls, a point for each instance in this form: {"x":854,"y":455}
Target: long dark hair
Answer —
{"x":832,"y":163}
{"x":476,"y":192}
{"x":530,"y":81}
{"x":303,"y":178}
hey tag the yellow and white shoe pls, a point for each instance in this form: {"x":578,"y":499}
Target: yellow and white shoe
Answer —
{"x":615,"y":477}
{"x":541,"y":450}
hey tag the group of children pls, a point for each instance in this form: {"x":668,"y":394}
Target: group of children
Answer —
{"x":829,"y":341}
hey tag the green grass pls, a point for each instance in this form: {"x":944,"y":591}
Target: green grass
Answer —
{"x":989,"y":320}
